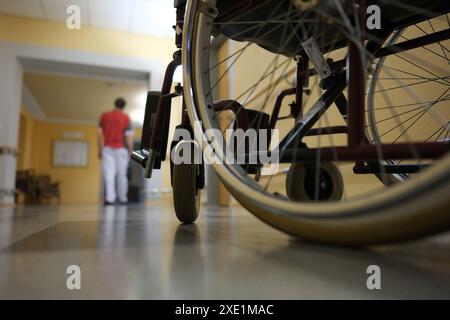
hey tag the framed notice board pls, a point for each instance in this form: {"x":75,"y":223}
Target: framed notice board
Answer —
{"x":70,"y":153}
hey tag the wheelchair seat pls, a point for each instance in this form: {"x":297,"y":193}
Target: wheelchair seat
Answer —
{"x":285,"y":38}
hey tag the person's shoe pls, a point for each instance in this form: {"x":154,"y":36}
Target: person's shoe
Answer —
{"x":107,"y":203}
{"x":123,"y":203}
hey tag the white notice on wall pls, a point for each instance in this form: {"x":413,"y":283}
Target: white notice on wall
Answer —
{"x":68,"y":153}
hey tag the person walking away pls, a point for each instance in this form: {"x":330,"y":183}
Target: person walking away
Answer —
{"x":115,"y":142}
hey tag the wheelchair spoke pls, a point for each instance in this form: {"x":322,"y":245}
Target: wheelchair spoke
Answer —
{"x":440,"y":44}
{"x":439,"y":132}
{"x":238,"y":52}
{"x":415,"y":121}
{"x":408,"y":85}
{"x":412,"y":74}
{"x":400,"y":114}
{"x":406,"y":105}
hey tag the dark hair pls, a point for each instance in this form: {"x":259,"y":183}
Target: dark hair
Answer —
{"x":120,"y":103}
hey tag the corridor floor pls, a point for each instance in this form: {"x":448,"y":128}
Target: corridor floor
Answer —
{"x":142,"y":252}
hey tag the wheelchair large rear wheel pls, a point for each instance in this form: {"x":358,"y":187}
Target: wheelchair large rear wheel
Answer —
{"x":418,"y":206}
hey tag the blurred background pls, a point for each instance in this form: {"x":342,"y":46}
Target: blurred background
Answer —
{"x":62,"y":80}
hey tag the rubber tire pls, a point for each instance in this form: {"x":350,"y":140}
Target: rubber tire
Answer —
{"x":297,"y":174}
{"x":186,"y":195}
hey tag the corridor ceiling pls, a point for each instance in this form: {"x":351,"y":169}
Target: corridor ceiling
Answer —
{"x":76,"y":99}
{"x":149,"y":17}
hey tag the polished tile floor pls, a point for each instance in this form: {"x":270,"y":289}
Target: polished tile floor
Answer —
{"x":141,"y":252}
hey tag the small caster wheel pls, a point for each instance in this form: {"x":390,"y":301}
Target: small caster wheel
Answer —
{"x":187,"y":183}
{"x":301,"y":182}
{"x":186,"y":193}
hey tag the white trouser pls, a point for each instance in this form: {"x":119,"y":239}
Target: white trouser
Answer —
{"x":115,"y":163}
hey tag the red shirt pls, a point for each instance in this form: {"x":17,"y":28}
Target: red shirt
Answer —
{"x":114,"y":125}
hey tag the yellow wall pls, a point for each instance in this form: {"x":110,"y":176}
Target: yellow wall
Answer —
{"x":55,"y":34}
{"x":77,"y":185}
{"x":26,"y":129}
{"x":21,"y":142}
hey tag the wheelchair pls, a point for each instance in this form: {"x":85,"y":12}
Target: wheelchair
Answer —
{"x":360,"y":155}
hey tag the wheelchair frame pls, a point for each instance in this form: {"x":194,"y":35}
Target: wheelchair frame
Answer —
{"x":358,"y":149}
